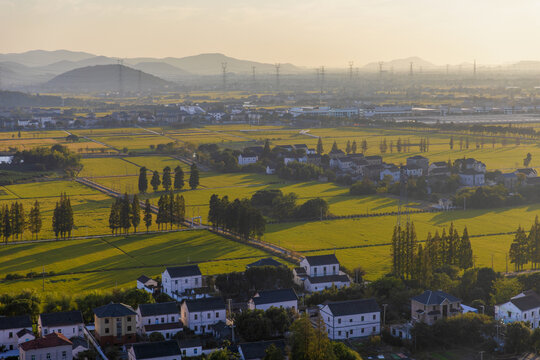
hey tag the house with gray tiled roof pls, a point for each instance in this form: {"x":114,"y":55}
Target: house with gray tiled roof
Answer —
{"x":431,"y":306}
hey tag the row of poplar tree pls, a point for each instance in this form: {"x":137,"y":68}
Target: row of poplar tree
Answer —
{"x":238,"y":216}
{"x":525,"y":247}
{"x":411,"y":260}
{"x":126,"y":213}
{"x":166,"y":179}
{"x":13,"y":220}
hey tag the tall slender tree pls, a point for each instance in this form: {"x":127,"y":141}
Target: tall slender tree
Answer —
{"x":143,"y":180}
{"x":320,"y":147}
{"x":35,"y":223}
{"x":178,"y":178}
{"x":147,"y":214}
{"x":166,"y":178}
{"x":114,"y":216}
{"x":194,"y":177}
{"x":135,"y":212}
{"x":155,"y":182}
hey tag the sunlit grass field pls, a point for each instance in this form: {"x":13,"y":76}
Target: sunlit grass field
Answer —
{"x":118,"y":262}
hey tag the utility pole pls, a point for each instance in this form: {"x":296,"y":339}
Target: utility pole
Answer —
{"x":411,"y":68}
{"x":277,"y":65}
{"x":491,"y":261}
{"x":351,"y":63}
{"x":229,"y":302}
{"x":474,"y":68}
{"x":120,"y":80}
{"x":43,"y":277}
{"x":384,"y":314}
{"x":506,"y":261}
{"x":224,"y":70}
{"x":253,"y":74}
{"x":322,"y":80}
{"x":380,"y":68}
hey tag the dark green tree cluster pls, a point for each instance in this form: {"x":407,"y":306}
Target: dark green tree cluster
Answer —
{"x":124,"y":214}
{"x":423,"y":146}
{"x":526,"y":248}
{"x":238,"y":216}
{"x":55,"y":157}
{"x":256,"y":325}
{"x":62,"y":221}
{"x":284,"y":207}
{"x":245,"y":284}
{"x":411,"y":260}
{"x":171,"y":210}
{"x":299,"y":171}
{"x":194,"y":177}
{"x":13,"y":221}
{"x":166,"y":180}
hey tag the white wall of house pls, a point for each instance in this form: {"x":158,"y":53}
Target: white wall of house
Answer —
{"x":202,"y":321}
{"x":66,"y":330}
{"x":315,"y":287}
{"x":63,"y":352}
{"x":8,"y":338}
{"x":320,"y":270}
{"x":293,"y":304}
{"x":246,"y":160}
{"x":191,"y":351}
{"x":508,"y":313}
{"x":351,"y":326}
{"x":158,"y":319}
{"x":181,"y":284}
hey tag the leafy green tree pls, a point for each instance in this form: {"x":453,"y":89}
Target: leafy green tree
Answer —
{"x":114,"y":216}
{"x":334,"y":147}
{"x":194,"y":177}
{"x":519,"y":252}
{"x":343,"y":352}
{"x":34,"y":221}
{"x":266,"y":149}
{"x":364,"y":146}
{"x":178,"y":178}
{"x":465,"y":251}
{"x":348,"y":148}
{"x":354,"y":147}
{"x":179,"y":210}
{"x":147,"y":214}
{"x":320,"y":148}
{"x":135,"y":212}
{"x":143,"y":180}
{"x":155,"y":181}
{"x":517,"y":337}
{"x":156,"y":336}
{"x":166,"y":178}
{"x":504,"y":288}
{"x":273,"y":353}
{"x":7,"y":224}
{"x":125,"y":213}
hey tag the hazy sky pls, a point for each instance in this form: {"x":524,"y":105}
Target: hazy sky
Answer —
{"x":303,"y":32}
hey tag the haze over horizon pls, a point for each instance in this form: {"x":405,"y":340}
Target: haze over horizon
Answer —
{"x":305,"y":33}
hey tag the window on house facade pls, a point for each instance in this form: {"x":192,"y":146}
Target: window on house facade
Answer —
{"x":339,"y":321}
{"x":196,"y":328}
{"x":33,"y":357}
{"x":162,"y":320}
{"x":175,"y":282}
{"x":362,"y":318}
{"x":196,"y":281}
{"x":374,"y":316}
{"x":374,"y":329}
{"x":195,"y":316}
{"x":350,"y":320}
{"x":339,"y":333}
{"x":129,"y":318}
{"x":217,"y":315}
{"x":208,"y":315}
{"x":129,"y":328}
{"x":48,"y":356}
{"x":106,"y":321}
{"x":59,"y":331}
{"x":106,"y":330}
{"x":45,"y":331}
{"x":64,"y":354}
{"x":10,"y":334}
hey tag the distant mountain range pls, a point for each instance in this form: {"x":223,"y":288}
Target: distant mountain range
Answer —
{"x":105,"y":78}
{"x":34,"y":68}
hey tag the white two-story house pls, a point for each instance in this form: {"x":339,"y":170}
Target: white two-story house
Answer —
{"x":177,"y":281}
{"x":10,"y":326}
{"x":163,"y":318}
{"x":320,"y":272}
{"x":247,"y":159}
{"x":282,"y":298}
{"x":522,"y":307}
{"x":351,"y":319}
{"x":471,"y":178}
{"x":69,"y":323}
{"x":200,"y":315}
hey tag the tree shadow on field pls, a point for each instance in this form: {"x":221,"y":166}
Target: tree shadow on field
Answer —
{"x":451,"y":216}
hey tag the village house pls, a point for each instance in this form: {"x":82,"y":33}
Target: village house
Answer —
{"x":69,"y":323}
{"x":10,"y":326}
{"x":522,"y":307}
{"x":343,"y":163}
{"x":300,"y":159}
{"x":247,"y":159}
{"x":115,"y":324}
{"x":471,"y":164}
{"x":264,"y":262}
{"x":201,"y":314}
{"x":78,"y":344}
{"x":528,"y":172}
{"x":413,"y":170}
{"x":147,"y":284}
{"x":160,"y":350}
{"x":351,"y":318}
{"x":54,"y":346}
{"x":393,"y":171}
{"x":163,"y":318}
{"x":431,"y":306}
{"x":374,"y":160}
{"x":282,"y":298}
{"x":438,"y":168}
{"x":190,"y":347}
{"x":420,"y":161}
{"x":471,"y":178}
{"x":320,"y":272}
{"x":257,"y":350}
{"x":177,"y":281}
{"x":509,"y":180}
